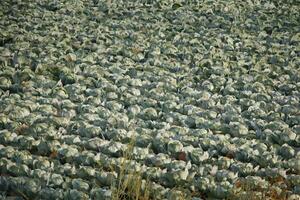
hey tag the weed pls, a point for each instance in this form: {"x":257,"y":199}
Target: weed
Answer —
{"x":130,"y":183}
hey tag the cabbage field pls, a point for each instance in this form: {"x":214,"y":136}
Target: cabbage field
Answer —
{"x":149,"y":99}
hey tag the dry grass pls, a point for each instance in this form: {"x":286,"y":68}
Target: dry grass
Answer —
{"x":130,"y":184}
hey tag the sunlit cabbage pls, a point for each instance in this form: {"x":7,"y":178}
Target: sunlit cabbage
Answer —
{"x":149,"y":114}
{"x":67,"y":152}
{"x":85,"y":158}
{"x":51,"y":193}
{"x":106,"y":178}
{"x":79,"y":184}
{"x":198,"y":155}
{"x":86,"y":171}
{"x":75,"y":194}
{"x":286,"y":151}
{"x":56,"y":179}
{"x":174,"y":146}
{"x":237,"y":129}
{"x":101,"y":193}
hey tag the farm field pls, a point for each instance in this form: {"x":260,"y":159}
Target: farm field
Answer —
{"x":149,"y":99}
